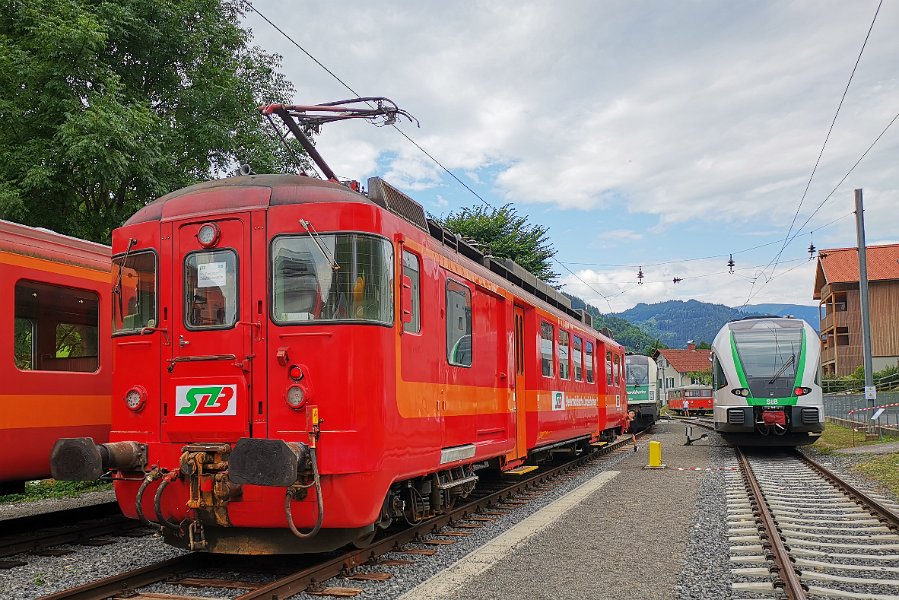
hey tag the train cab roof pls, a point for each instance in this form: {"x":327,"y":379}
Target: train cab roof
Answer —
{"x":243,"y":193}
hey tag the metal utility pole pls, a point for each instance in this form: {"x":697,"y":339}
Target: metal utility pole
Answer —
{"x":870,"y":390}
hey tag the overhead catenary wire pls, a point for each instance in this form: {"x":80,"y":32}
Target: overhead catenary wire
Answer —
{"x":753,"y":293}
{"x":808,"y":184}
{"x":677,"y":261}
{"x":786,"y":240}
{"x":348,"y":87}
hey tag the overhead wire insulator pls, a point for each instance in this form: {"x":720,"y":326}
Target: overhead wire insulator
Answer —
{"x":730,"y":264}
{"x":640,"y":276}
{"x":811,"y":248}
{"x":677,"y":280}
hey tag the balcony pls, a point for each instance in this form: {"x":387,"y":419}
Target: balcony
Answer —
{"x":839,"y":318}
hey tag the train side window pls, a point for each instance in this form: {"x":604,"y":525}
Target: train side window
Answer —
{"x":412,"y":270}
{"x":564,"y":358}
{"x":577,"y":358}
{"x":617,"y":370}
{"x":458,"y":324}
{"x":608,"y":368}
{"x":588,"y":361}
{"x":719,"y":379}
{"x":546,"y":349}
{"x":56,"y":328}
{"x":210,"y":289}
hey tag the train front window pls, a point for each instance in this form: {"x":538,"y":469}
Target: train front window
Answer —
{"x":133,"y":292}
{"x":636,"y":374}
{"x":210,"y":289}
{"x":332,"y":277}
{"x":770,"y":355}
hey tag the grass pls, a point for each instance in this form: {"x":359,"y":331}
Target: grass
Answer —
{"x":882,"y":468}
{"x":49,"y":488}
{"x":836,"y":437}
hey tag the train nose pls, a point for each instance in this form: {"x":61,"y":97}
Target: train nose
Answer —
{"x":80,"y":459}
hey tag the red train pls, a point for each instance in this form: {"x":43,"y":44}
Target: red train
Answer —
{"x":298,"y":365}
{"x":54,"y":338}
{"x":691,"y":399}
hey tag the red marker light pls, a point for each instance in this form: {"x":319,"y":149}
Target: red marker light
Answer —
{"x":295,"y":372}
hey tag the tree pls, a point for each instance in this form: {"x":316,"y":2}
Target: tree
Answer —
{"x":704,"y":346}
{"x":503,"y":233}
{"x":108,"y":104}
{"x":701,"y":377}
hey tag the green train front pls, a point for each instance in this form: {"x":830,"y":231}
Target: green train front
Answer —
{"x":642,"y":394}
{"x":766,"y":380}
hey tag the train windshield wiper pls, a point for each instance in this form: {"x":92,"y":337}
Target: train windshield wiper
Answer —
{"x":117,"y":287}
{"x":783,"y":368}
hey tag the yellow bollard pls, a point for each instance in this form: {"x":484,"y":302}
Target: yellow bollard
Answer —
{"x":655,"y":456}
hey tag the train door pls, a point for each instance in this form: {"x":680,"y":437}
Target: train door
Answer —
{"x":208,"y":378}
{"x":519,"y":393}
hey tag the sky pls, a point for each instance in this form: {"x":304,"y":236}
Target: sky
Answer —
{"x":661,"y":135}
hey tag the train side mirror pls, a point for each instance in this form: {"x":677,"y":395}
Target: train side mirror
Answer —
{"x":407,"y":299}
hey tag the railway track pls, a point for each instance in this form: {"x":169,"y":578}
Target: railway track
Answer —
{"x":798,"y":530}
{"x":206,"y":571}
{"x":42,"y":534}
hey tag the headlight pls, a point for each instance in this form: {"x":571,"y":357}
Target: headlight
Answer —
{"x":136,"y":398}
{"x":802,"y":391}
{"x":295,"y":397}
{"x":744,"y":392}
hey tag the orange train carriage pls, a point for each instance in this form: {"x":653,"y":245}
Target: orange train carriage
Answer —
{"x":691,"y":399}
{"x":300,"y":365}
{"x":55,"y":360}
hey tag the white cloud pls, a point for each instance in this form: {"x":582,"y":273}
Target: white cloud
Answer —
{"x":678,"y":113}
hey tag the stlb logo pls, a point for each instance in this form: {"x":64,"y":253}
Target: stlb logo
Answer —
{"x":206,"y":400}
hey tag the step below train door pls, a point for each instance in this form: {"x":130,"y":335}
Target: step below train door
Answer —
{"x":208,"y":378}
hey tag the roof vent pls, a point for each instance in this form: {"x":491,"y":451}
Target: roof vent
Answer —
{"x":384,"y":194}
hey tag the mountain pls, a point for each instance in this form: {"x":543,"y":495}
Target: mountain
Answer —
{"x":675,"y":322}
{"x":809,"y":314}
{"x":630,"y":336}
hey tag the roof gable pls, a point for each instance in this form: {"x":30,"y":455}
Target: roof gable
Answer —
{"x":685,"y":361}
{"x":840,"y":265}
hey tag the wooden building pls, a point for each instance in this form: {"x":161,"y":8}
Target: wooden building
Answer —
{"x":837,"y":289}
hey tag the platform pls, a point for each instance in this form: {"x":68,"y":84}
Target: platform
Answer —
{"x":621,"y":535}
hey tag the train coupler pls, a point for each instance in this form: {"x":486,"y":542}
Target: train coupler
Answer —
{"x":80,"y":459}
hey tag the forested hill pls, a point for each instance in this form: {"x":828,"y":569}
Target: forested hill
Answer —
{"x":631,"y":336}
{"x":675,"y":322}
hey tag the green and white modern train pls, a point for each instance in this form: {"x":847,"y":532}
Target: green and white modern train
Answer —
{"x":642,"y":393}
{"x":766,"y":382}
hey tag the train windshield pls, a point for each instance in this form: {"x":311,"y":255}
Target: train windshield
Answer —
{"x":770,"y":356}
{"x":332,"y":277}
{"x":133,"y":292}
{"x":637,"y":374}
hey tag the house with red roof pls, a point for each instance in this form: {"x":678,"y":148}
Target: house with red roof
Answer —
{"x":675,"y":365}
{"x":837,"y":290}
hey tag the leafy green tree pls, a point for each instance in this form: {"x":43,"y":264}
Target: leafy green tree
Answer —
{"x":702,"y":377}
{"x":107,"y":104}
{"x":704,"y":346}
{"x":503,"y":233}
